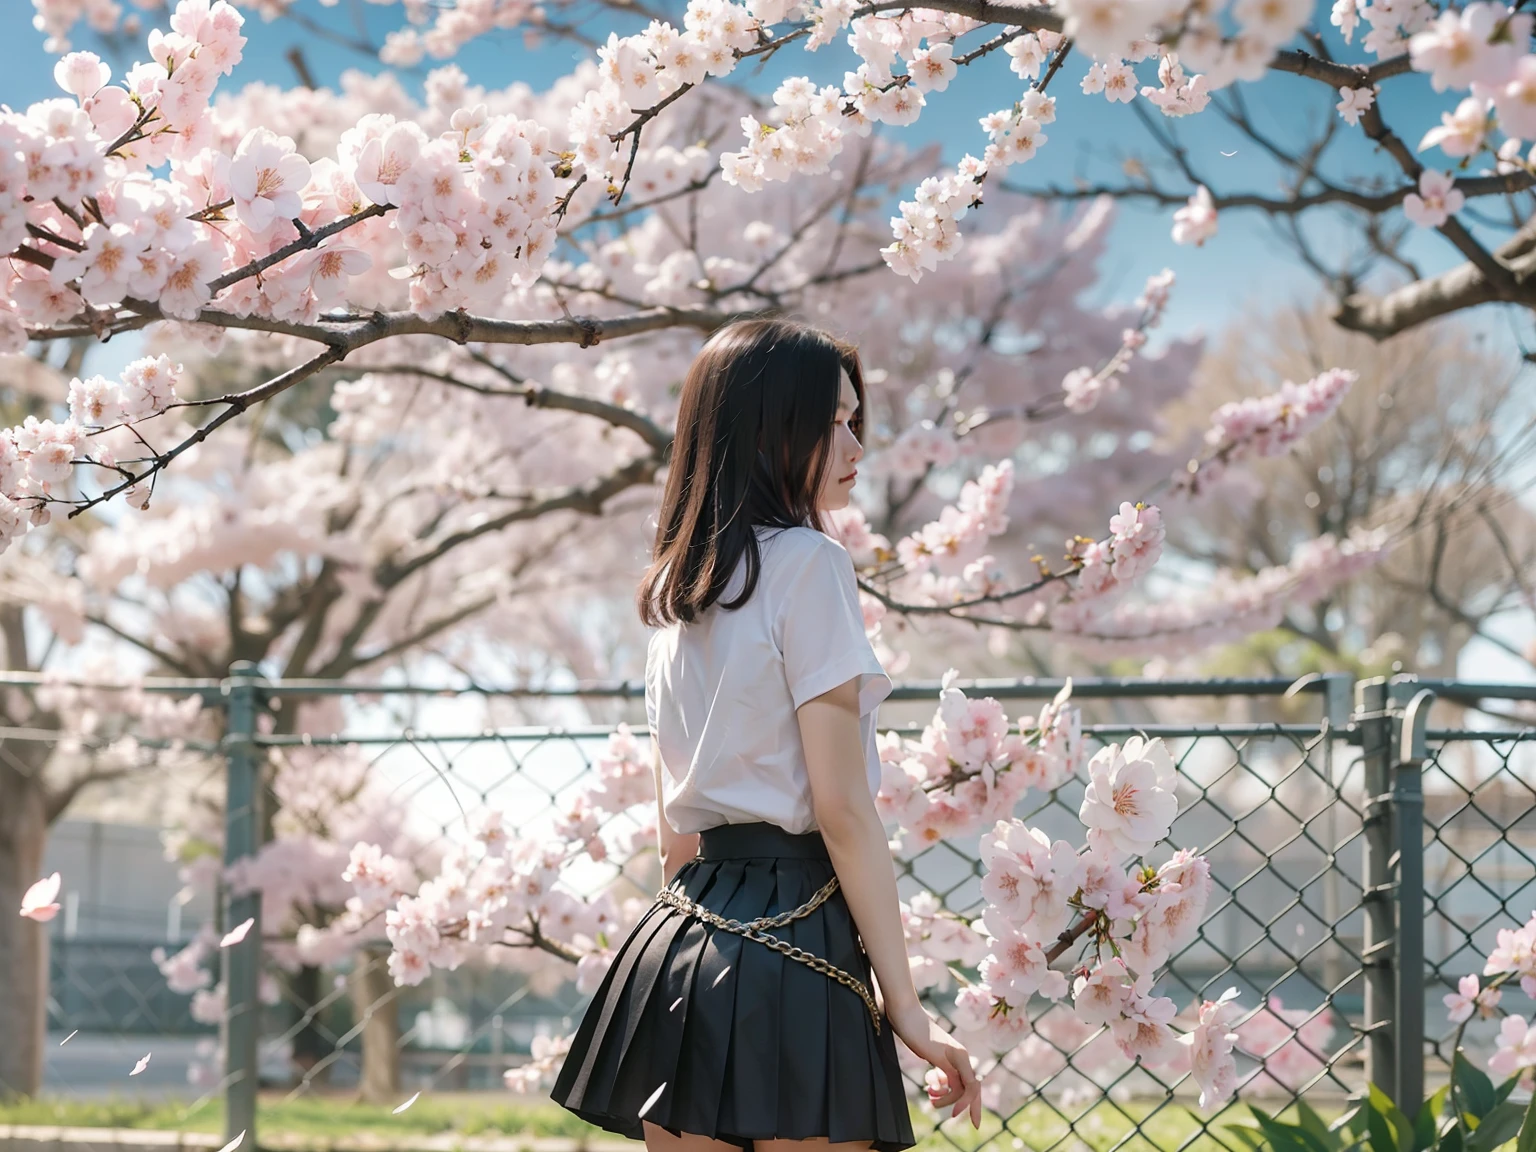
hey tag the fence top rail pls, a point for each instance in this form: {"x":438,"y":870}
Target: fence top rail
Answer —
{"x":1481,"y":735}
{"x":536,"y":733}
{"x":1023,"y":688}
{"x":1473,"y":691}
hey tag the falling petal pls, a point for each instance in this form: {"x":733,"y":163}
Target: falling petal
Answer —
{"x":235,"y":1143}
{"x":237,"y":933}
{"x":68,"y":1038}
{"x":655,"y":1096}
{"x":721,"y":977}
{"x":141,"y":1065}
{"x":38,"y":903}
{"x":407,"y":1104}
{"x":675,"y":1003}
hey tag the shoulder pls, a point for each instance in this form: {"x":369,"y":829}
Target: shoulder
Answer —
{"x":794,"y":549}
{"x":802,"y":561}
{"x":657,"y":647}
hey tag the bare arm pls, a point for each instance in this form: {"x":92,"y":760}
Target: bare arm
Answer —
{"x":855,"y":836}
{"x":861,"y":857}
{"x":677,"y":848}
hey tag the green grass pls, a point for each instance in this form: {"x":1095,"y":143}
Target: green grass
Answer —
{"x":319,"y":1120}
{"x":315,"y":1119}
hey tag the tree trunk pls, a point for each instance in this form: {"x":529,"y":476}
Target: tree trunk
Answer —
{"x":374,"y":1004}
{"x":23,"y":943}
{"x":311,"y":1043}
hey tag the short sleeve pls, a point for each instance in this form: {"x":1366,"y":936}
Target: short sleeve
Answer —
{"x":822,"y":631}
{"x":650,"y":683}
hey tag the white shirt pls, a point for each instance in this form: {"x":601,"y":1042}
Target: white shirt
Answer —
{"x":721,"y":692}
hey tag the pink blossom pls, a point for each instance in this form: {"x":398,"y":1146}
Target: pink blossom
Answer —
{"x":1436,"y":201}
{"x":1292,"y":1044}
{"x":1108,"y":888}
{"x":1515,"y":952}
{"x":39,"y":902}
{"x":1462,"y":132}
{"x":266,"y":177}
{"x":1195,"y":223}
{"x":1354,"y":101}
{"x":1101,"y":996}
{"x":1516,"y":1047}
{"x":1016,"y":967}
{"x":1136,"y":540}
{"x":1129,"y":804}
{"x":1469,"y":998}
{"x":1028,"y":878}
{"x":1514,"y":98}
{"x":81,"y":74}
{"x":1142,"y":1032}
{"x":1210,"y":1045}
{"x":1457,"y":48}
{"x":1172,"y":912}
{"x":591,"y":969}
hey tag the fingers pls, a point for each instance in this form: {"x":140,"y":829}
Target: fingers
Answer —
{"x":953,"y":1086}
{"x":970,"y":1087}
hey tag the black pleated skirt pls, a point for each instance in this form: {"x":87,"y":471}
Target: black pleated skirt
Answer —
{"x":699,"y":1030}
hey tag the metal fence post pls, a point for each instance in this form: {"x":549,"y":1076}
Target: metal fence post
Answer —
{"x":1410,"y":706}
{"x":242,"y":961}
{"x":1376,"y":896}
{"x":1338,"y":697}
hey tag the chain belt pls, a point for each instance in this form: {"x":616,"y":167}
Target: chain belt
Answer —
{"x":753,"y":930}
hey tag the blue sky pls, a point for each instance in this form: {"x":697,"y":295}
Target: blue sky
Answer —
{"x":1247,"y":262}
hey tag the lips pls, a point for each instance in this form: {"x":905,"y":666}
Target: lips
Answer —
{"x":850,"y":478}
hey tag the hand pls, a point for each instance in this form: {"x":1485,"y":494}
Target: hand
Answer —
{"x":921,"y":1033}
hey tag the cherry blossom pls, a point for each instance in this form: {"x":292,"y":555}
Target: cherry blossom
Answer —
{"x":1469,"y":998}
{"x":1195,"y":223}
{"x":266,"y":177}
{"x":39,"y":902}
{"x":1129,"y":804}
{"x":1436,"y":201}
{"x":1514,"y":953}
{"x":1030,"y":879}
{"x":1462,"y":132}
{"x":1293,"y":1044}
{"x":1210,"y":1045}
{"x":1354,"y":101}
{"x":1516,"y":1048}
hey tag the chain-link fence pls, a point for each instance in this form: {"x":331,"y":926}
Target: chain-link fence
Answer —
{"x":1303,"y":796}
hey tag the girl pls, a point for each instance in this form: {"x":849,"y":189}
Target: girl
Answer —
{"x":740,"y":1011}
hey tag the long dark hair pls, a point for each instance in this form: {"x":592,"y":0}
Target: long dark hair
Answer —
{"x":754,"y":426}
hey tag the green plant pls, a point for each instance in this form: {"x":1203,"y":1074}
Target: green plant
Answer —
{"x":1468,"y":1114}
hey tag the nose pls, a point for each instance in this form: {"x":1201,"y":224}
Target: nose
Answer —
{"x":855,"y":450}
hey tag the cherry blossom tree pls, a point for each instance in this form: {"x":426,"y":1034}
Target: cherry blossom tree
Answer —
{"x":1464,"y":173}
{"x":416,"y":265}
{"x":1435,"y":436}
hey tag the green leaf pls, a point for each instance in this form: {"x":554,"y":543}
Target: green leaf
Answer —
{"x":1426,"y":1123}
{"x":1248,"y":1134}
{"x":1314,"y":1124}
{"x":1500,"y":1126}
{"x":1450,"y":1141}
{"x":1474,"y":1091}
{"x":1398,"y":1135}
{"x":1528,"y":1130}
{"x":1383,"y":1139}
{"x":1283,"y":1137}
